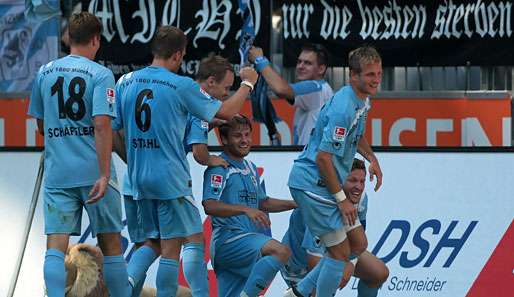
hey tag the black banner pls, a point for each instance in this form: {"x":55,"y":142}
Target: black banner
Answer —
{"x":406,"y":32}
{"x":211,"y":26}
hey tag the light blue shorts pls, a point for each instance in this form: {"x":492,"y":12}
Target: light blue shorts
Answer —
{"x":167,"y":219}
{"x":318,"y":213}
{"x":63,"y":211}
{"x":132,"y":214}
{"x":234,"y":260}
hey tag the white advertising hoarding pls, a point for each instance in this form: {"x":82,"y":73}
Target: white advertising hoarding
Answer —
{"x":440,"y":222}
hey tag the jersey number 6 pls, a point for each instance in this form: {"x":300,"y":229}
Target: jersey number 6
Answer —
{"x":143,"y":108}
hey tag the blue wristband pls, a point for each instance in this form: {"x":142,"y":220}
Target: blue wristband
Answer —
{"x":261,"y":63}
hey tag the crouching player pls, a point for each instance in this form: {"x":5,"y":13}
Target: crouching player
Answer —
{"x":245,"y":260}
{"x":307,"y":251}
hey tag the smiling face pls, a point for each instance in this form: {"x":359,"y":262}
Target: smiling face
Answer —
{"x":354,"y":185}
{"x":238,"y":142}
{"x":308,"y":67}
{"x":367,"y":81}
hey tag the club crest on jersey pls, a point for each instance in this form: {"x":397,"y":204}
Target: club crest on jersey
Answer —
{"x":110,"y":95}
{"x":205,"y":125}
{"x":339,"y":133}
{"x":216,"y":180}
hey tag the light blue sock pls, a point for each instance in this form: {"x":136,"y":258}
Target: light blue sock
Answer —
{"x":115,"y":276}
{"x":308,"y":283}
{"x":167,"y":278}
{"x":329,"y":277}
{"x":365,"y":291}
{"x":54,"y":273}
{"x":139,"y":263}
{"x":261,"y":276}
{"x":138,"y":287}
{"x":195,"y":269}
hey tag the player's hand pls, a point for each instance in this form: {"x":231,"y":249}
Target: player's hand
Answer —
{"x":374,"y":170}
{"x":98,"y":190}
{"x":348,"y":211}
{"x":254,"y":52}
{"x":214,"y":161}
{"x":258,"y":217}
{"x":347,"y":274}
{"x":216,"y":123}
{"x":249,"y":74}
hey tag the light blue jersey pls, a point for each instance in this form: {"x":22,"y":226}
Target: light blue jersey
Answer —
{"x":197,"y":132}
{"x":153,"y":110}
{"x":310,"y":96}
{"x":340,"y":126}
{"x":67,"y":94}
{"x":238,"y":184}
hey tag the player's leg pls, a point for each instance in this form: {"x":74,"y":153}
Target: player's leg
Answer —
{"x":325,"y":221}
{"x":146,"y":251}
{"x":372,"y":273}
{"x":274,"y":257}
{"x":178,"y":219}
{"x":194,"y":266}
{"x":229,"y":284}
{"x":62,"y":212}
{"x":357,"y":238}
{"x":105,"y":220}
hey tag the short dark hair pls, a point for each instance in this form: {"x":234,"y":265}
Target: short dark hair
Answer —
{"x":362,"y":56}
{"x":213,"y":65}
{"x":320,"y":51}
{"x":167,"y":41}
{"x":82,"y":27}
{"x":235,"y":122}
{"x":358,"y":164}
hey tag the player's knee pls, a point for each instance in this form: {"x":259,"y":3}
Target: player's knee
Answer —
{"x":382,"y":275}
{"x":282,"y":253}
{"x":110,"y":243}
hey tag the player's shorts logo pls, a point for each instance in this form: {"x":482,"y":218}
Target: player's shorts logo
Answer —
{"x":216,"y":180}
{"x":339,"y":133}
{"x":205,"y":125}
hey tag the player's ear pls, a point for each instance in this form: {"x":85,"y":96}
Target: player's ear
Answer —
{"x":211,"y":80}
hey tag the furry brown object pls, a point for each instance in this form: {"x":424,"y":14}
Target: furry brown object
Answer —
{"x":84,"y":277}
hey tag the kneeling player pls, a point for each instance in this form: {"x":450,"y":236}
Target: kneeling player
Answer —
{"x":244,"y":259}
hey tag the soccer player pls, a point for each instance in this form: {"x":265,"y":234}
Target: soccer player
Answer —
{"x":308,"y":94}
{"x":73,"y":101}
{"x":322,"y":167}
{"x":153,"y":108}
{"x":244,"y":259}
{"x":306,"y":251}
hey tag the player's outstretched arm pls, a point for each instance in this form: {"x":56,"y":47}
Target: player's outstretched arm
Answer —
{"x":276,"y":205}
{"x":374,"y":167}
{"x":202,"y":156}
{"x":220,"y":209}
{"x":233,"y":105}
{"x":277,"y":84}
{"x":103,"y":142}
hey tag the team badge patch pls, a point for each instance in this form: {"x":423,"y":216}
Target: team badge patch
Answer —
{"x":110,"y":95}
{"x":216,"y":180}
{"x":205,"y":125}
{"x":339,"y":133}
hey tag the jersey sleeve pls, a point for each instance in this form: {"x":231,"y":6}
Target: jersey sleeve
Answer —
{"x":261,"y":189}
{"x":197,"y":101}
{"x":307,"y":94}
{"x":104,"y":99}
{"x":336,"y":130}
{"x":36,"y":107}
{"x":214,"y":181}
{"x":117,"y":123}
{"x":198,"y":133}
